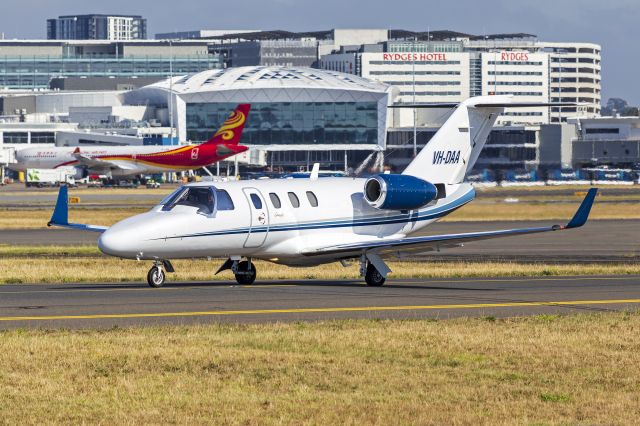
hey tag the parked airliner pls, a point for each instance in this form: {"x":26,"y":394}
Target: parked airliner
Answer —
{"x":303,"y":222}
{"x":139,"y":160}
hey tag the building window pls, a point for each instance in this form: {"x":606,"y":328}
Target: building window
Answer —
{"x":291,"y":123}
{"x":16,"y":137}
{"x":602,"y":131}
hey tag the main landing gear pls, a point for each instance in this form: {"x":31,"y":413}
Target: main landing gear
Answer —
{"x":157,"y":275}
{"x":243,"y":270}
{"x":372,"y":277}
{"x":373,"y":269}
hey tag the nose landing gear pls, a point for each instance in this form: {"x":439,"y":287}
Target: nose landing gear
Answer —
{"x":157,"y":275}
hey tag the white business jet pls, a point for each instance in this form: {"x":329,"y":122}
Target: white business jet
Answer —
{"x":303,"y":222}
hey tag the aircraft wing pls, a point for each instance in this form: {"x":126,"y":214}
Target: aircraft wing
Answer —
{"x":435,"y":242}
{"x":97,"y":163}
{"x":85,"y":160}
{"x":60,"y":215}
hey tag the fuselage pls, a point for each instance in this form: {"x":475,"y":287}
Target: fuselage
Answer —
{"x":126,"y":160}
{"x":278,"y":220}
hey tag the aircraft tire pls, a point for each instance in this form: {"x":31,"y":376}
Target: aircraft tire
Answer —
{"x":374,"y":278}
{"x":244,"y":278}
{"x":156,"y":277}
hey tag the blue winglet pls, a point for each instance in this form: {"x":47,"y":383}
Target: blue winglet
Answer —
{"x":581,"y":216}
{"x":61,"y":212}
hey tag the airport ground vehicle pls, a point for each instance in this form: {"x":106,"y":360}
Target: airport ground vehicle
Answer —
{"x":43,"y":178}
{"x":304,"y":222}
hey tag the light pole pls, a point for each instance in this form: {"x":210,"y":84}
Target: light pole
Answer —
{"x":415,"y":110}
{"x":171,"y":90}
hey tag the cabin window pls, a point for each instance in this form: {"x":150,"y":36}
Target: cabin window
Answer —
{"x":200,"y":197}
{"x":257,"y":202}
{"x":295,"y":202}
{"x":224,"y":200}
{"x":275,"y":200}
{"x":171,"y":198}
{"x":313,"y":200}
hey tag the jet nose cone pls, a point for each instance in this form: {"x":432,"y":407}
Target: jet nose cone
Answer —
{"x":116,"y":243}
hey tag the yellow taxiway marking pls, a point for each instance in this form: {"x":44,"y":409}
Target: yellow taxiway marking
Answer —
{"x":322,"y":310}
{"x":514,"y":279}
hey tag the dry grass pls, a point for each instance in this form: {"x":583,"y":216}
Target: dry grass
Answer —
{"x":550,"y":188}
{"x":80,"y":191}
{"x":38,"y":218}
{"x":476,"y":211}
{"x":541,"y":370}
{"x":86,"y":268}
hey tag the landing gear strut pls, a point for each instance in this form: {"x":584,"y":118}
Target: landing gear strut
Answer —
{"x":156,"y":276}
{"x":373,"y":277}
{"x":245,"y":272}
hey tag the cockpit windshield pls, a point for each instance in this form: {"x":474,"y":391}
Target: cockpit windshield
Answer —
{"x":200,"y":197}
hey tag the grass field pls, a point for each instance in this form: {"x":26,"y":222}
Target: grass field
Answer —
{"x":85,"y":264}
{"x":542,"y":370}
{"x":475,"y":211}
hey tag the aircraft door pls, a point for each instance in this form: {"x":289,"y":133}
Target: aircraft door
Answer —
{"x":259,"y":218}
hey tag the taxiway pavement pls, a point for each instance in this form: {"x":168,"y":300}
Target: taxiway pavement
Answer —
{"x":135,"y":304}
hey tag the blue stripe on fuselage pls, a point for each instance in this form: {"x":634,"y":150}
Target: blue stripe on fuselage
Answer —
{"x":434,"y":213}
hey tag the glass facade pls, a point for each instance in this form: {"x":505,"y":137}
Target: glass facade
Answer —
{"x":24,"y":72}
{"x":291,"y":123}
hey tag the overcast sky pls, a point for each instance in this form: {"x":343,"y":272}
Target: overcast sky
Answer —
{"x":615,"y":24}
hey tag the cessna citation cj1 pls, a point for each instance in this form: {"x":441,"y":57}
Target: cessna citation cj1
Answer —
{"x":303,"y":222}
{"x":140,"y":160}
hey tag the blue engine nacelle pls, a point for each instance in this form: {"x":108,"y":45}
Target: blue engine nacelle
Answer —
{"x":398,"y":192}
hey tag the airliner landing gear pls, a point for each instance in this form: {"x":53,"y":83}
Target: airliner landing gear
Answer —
{"x":156,"y":276}
{"x":245,"y":272}
{"x":373,"y":277}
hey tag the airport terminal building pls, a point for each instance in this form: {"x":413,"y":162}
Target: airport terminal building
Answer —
{"x":294,"y":111}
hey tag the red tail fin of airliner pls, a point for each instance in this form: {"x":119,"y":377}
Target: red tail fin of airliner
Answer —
{"x":231,"y":130}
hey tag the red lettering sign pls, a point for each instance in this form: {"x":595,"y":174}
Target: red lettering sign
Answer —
{"x":427,"y":57}
{"x":514,"y":56}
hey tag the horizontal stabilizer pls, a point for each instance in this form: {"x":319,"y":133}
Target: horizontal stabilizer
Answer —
{"x":60,"y":216}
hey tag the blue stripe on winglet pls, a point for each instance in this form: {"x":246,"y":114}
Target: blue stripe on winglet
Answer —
{"x":581,"y":216}
{"x":61,"y":212}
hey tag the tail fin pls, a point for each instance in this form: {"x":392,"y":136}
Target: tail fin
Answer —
{"x":454,"y":149}
{"x":231,"y":130}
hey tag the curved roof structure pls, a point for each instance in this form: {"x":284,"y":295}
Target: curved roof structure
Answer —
{"x":264,"y":85}
{"x":269,"y":77}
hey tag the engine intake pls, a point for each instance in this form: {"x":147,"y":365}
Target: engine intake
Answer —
{"x":398,"y":192}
